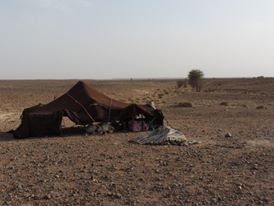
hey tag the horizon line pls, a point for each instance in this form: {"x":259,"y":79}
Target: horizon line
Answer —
{"x":130,"y":79}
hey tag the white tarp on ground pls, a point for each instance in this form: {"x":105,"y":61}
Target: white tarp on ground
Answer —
{"x":162,"y":136}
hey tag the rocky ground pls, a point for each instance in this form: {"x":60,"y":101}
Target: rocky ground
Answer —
{"x":233,"y":164}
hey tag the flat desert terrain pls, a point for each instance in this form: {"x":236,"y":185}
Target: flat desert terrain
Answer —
{"x":108,"y":170}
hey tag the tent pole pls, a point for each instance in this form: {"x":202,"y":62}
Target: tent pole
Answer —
{"x":81,"y":107}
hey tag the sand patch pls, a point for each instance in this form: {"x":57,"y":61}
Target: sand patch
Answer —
{"x":261,"y":143}
{"x":141,"y":91}
{"x":6,"y":116}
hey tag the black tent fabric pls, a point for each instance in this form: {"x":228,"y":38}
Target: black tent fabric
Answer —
{"x":83,"y":105}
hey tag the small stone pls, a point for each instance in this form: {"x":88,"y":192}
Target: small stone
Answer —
{"x":158,"y":179}
{"x":20,"y":186}
{"x":228,"y":134}
{"x":47,"y":197}
{"x":224,"y":103}
{"x":215,"y":200}
{"x":261,"y":107}
{"x":35,"y":197}
{"x":118,"y":195}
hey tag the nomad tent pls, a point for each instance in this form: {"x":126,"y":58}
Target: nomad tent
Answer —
{"x":84,"y":106}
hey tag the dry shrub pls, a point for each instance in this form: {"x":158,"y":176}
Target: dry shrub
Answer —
{"x":184,"y":104}
{"x":260,"y":107}
{"x":224,"y":103}
{"x":182,"y":83}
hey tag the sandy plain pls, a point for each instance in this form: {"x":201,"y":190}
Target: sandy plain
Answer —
{"x":108,"y":170}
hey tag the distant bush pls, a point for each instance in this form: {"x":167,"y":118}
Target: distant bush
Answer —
{"x":261,"y":107}
{"x":224,"y":103}
{"x":184,"y":104}
{"x":165,"y":92}
{"x":182,"y":83}
{"x":195,"y":79}
{"x":160,"y":96}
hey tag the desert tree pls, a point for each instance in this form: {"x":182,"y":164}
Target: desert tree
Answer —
{"x":195,"y":79}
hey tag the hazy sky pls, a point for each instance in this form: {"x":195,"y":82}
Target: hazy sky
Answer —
{"x":135,"y":38}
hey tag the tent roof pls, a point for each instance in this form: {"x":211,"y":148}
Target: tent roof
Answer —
{"x":83,"y":91}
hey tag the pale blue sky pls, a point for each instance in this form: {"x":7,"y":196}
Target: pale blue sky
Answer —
{"x":135,"y":38}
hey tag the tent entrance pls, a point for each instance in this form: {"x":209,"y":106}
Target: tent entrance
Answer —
{"x":68,"y":127}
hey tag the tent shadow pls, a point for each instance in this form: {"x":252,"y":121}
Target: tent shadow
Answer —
{"x":72,"y":131}
{"x":4,"y":136}
{"x":65,"y":132}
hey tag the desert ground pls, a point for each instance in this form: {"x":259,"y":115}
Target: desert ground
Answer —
{"x":108,"y":170}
